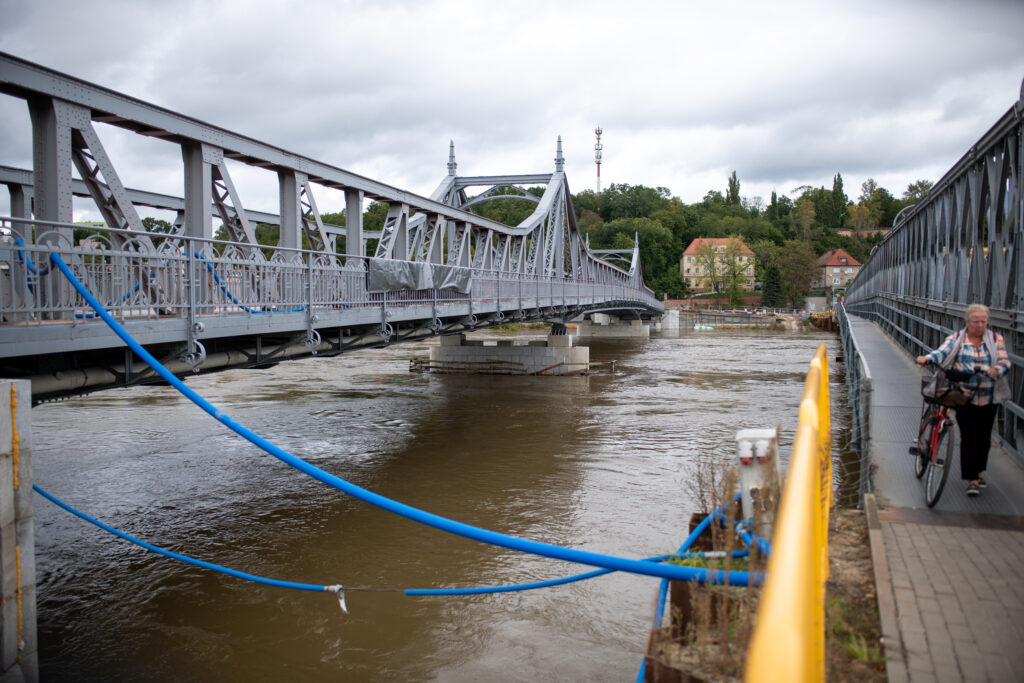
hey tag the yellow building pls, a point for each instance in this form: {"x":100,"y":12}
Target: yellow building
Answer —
{"x":707,"y":264}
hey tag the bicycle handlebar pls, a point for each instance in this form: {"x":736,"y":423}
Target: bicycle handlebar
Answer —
{"x":958,"y":375}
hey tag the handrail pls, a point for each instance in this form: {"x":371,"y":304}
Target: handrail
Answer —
{"x":858,"y":385}
{"x":789,"y":639}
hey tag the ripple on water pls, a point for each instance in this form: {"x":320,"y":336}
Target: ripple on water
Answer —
{"x":601,"y":463}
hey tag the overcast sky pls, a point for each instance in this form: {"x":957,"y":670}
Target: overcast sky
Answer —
{"x":785,"y":93}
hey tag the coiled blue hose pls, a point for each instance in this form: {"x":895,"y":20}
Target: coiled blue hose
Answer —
{"x":429,"y":519}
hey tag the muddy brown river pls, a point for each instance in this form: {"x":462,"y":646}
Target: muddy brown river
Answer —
{"x":603,"y":463}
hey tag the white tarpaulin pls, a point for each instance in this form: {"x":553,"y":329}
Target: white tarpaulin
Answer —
{"x":388,"y":275}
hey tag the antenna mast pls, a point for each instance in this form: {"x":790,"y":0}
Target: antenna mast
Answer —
{"x":597,"y":158}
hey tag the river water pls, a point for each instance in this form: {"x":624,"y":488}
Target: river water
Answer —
{"x":603,"y":463}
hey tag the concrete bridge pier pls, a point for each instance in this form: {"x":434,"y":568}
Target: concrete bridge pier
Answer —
{"x":19,"y":657}
{"x":554,"y":356}
{"x":604,"y":326}
{"x":669,"y":322}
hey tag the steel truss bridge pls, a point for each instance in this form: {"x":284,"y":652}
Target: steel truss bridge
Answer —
{"x":963,"y":243}
{"x":204,"y":304}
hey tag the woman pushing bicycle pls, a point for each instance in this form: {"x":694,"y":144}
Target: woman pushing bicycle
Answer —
{"x":976,"y":348}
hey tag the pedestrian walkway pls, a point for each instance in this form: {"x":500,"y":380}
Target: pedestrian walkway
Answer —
{"x":950,"y":580}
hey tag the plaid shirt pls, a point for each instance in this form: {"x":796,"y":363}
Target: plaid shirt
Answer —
{"x":971,"y":357}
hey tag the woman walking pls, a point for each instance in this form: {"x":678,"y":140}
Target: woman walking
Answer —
{"x":976,"y":348}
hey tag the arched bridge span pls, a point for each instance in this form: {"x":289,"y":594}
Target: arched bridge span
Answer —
{"x":203,"y":303}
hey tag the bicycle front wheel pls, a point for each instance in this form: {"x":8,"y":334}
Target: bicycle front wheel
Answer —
{"x":938,"y":467}
{"x":924,"y":439}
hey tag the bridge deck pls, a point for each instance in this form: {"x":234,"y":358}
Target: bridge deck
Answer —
{"x":950,"y":580}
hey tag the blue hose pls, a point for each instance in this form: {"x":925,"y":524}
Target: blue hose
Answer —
{"x":183,"y":558}
{"x":315,"y":587}
{"x":27,"y":261}
{"x":542,"y":584}
{"x":676,"y":572}
{"x":319,"y":588}
{"x":659,"y":612}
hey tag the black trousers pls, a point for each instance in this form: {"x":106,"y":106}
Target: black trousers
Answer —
{"x":975,"y":438}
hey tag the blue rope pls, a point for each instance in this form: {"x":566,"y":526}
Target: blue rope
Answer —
{"x":675,"y":572}
{"x":183,"y":558}
{"x":223,"y":288}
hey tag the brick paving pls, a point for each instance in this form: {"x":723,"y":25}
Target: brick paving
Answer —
{"x":950,"y":580}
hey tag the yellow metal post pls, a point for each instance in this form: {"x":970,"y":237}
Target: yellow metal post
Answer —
{"x":789,"y":639}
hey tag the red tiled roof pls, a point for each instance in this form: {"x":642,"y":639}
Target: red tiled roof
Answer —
{"x":695,"y":244}
{"x":833,"y":257}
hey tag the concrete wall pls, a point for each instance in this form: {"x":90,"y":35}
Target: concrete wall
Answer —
{"x":816,"y":304}
{"x":464,"y":355}
{"x":613,"y":329}
{"x":669,"y":321}
{"x":19,"y":659}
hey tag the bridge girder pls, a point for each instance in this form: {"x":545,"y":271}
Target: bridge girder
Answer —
{"x":962,"y":243}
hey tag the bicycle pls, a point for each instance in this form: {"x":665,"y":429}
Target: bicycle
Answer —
{"x":933,"y":450}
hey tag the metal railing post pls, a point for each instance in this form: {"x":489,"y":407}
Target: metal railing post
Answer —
{"x":191,"y":293}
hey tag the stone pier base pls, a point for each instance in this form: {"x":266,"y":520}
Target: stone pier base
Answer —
{"x":555,"y":356}
{"x":604,"y":326}
{"x":669,"y":322}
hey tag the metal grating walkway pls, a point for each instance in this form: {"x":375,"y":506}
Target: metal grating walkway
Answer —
{"x":950,"y":580}
{"x":895,"y":409}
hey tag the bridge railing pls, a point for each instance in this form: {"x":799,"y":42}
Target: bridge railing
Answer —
{"x":151,"y":275}
{"x":858,"y":384}
{"x":959,"y":245}
{"x":789,"y":639}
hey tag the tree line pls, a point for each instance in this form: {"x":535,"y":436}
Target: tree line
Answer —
{"x":786,"y":235}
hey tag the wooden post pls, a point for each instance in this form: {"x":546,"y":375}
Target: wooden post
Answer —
{"x":19,"y":658}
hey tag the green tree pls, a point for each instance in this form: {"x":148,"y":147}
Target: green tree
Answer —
{"x":860,"y":218}
{"x":766,"y":253}
{"x":773,"y":208}
{"x":772,"y":295}
{"x":669,"y":285}
{"x":588,"y":219}
{"x":798,"y":265}
{"x":714,"y":200}
{"x":584,"y":201}
{"x":805,"y":218}
{"x":507,"y":209}
{"x":917,"y":190}
{"x":839,"y":202}
{"x":732,"y":196}
{"x":779,"y":214}
{"x":657,"y":252}
{"x":156,"y":224}
{"x":632,"y":201}
{"x":733,"y":270}
{"x":879,"y":201}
